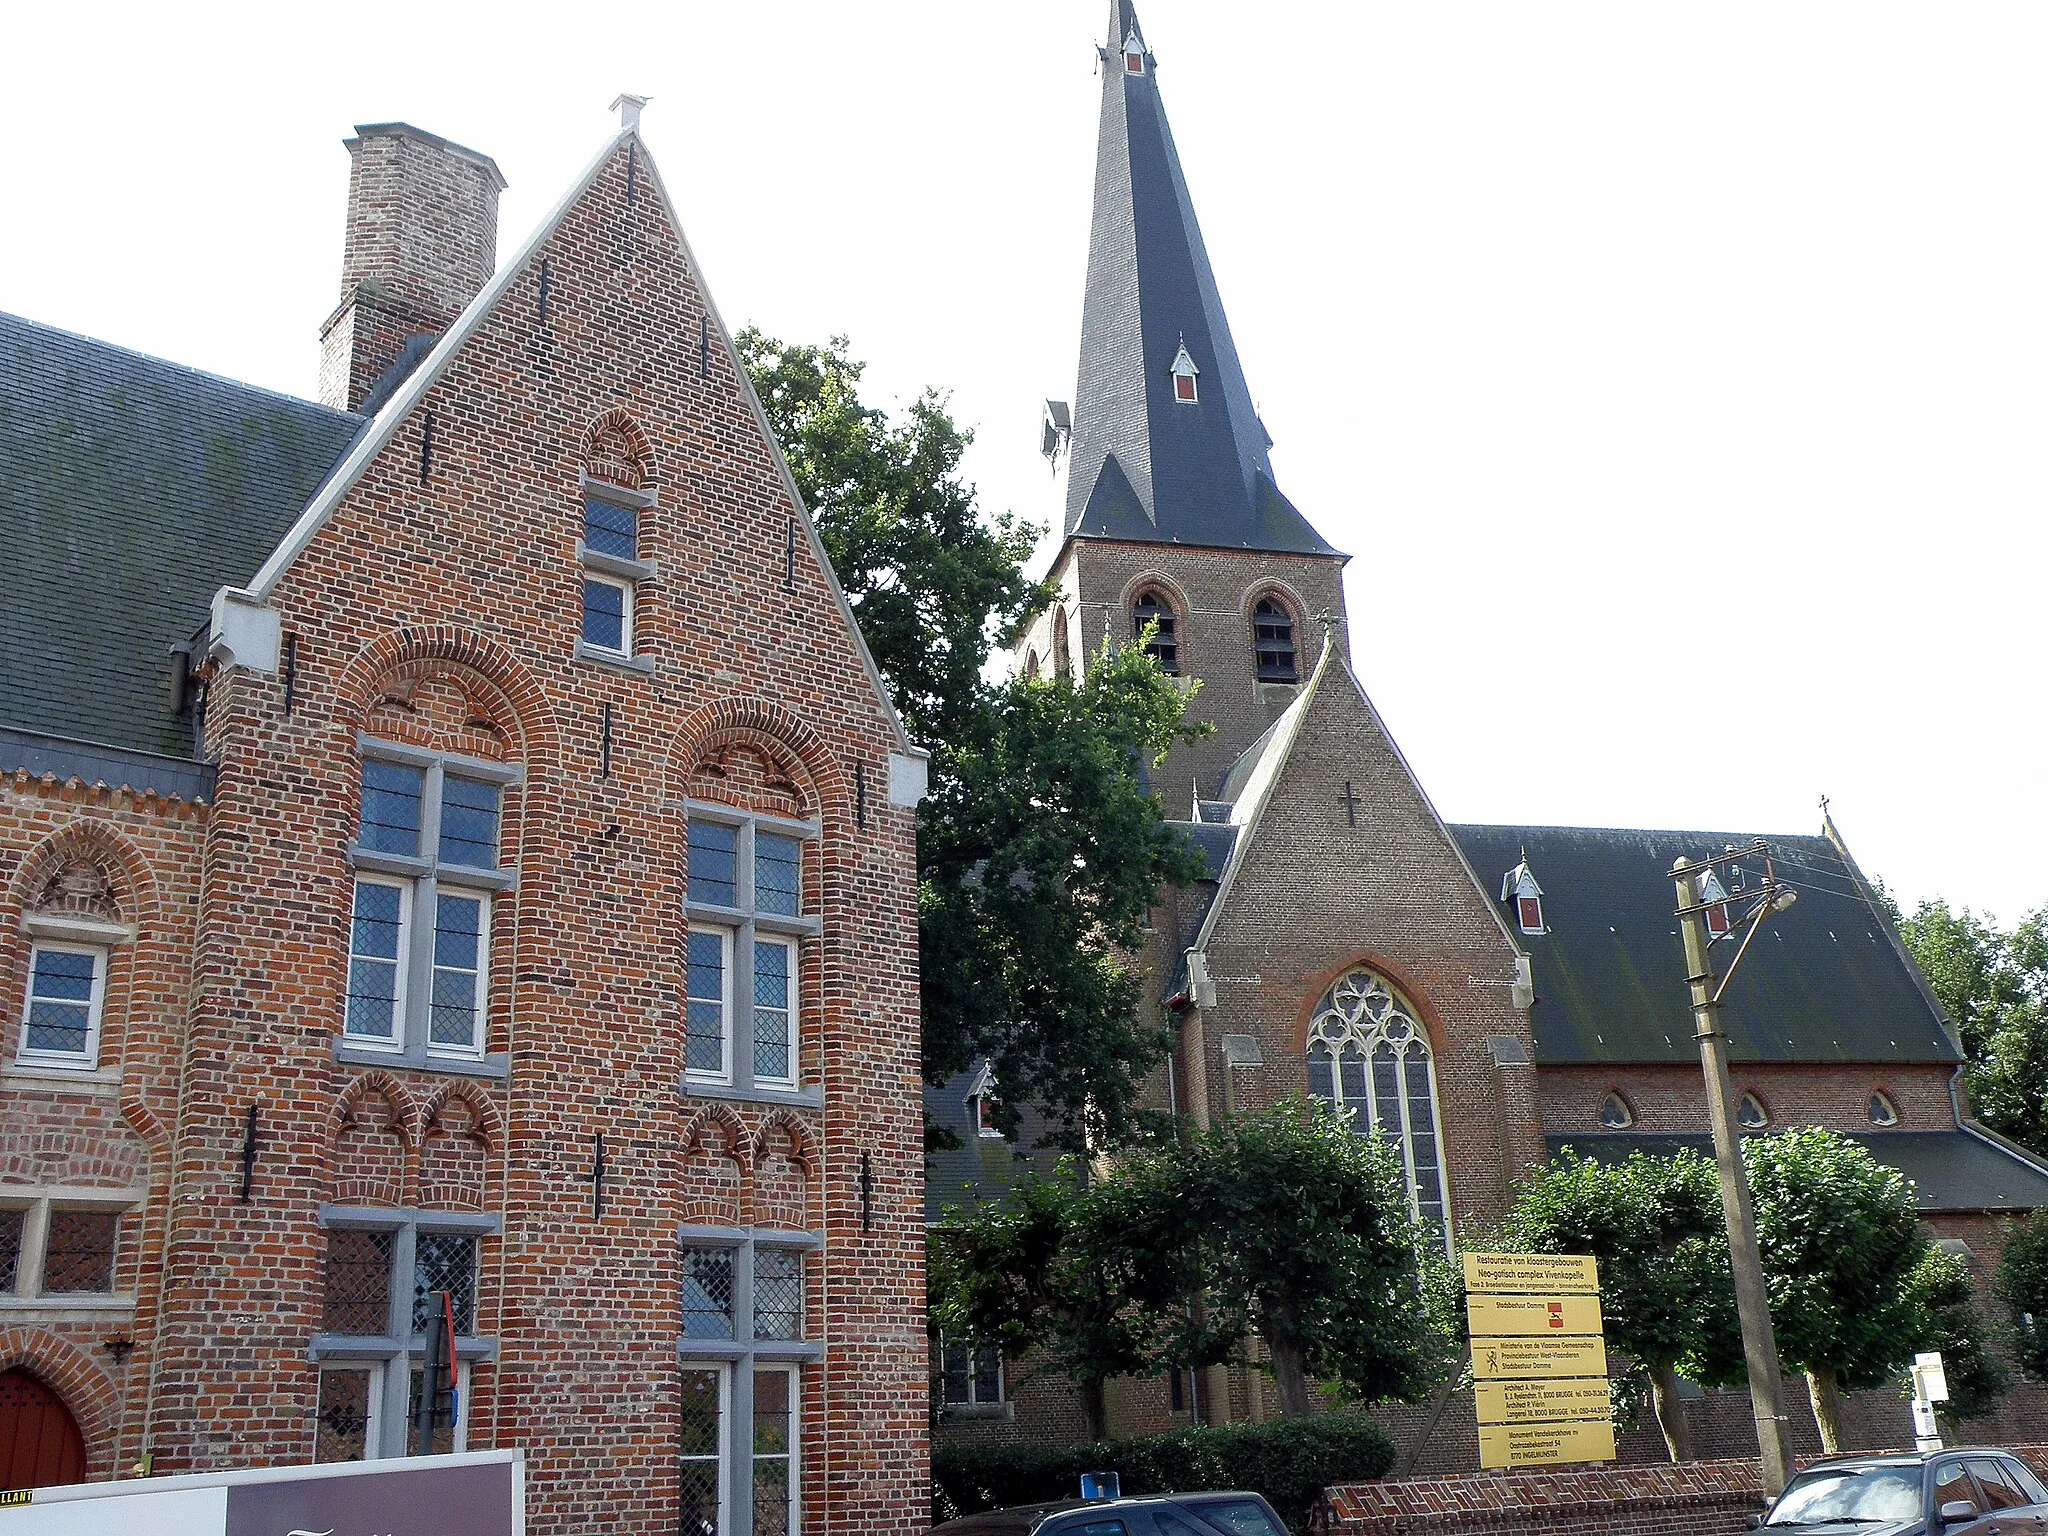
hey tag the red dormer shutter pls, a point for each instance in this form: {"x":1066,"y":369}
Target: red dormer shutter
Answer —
{"x":1531,"y":910}
{"x":1134,"y":63}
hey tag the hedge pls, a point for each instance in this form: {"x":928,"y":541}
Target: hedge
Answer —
{"x":1290,"y":1461}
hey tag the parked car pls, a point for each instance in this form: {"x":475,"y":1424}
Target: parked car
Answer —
{"x":1179,"y":1514}
{"x":1963,"y":1492}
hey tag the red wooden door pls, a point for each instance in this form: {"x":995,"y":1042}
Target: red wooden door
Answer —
{"x":39,"y":1441}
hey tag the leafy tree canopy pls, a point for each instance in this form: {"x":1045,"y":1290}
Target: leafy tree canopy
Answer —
{"x":1279,"y":1223}
{"x":1666,"y":1295}
{"x":1841,"y":1242}
{"x":2022,"y":1285}
{"x":1940,"y":1289}
{"x":1994,"y":985}
{"x":1039,"y":850}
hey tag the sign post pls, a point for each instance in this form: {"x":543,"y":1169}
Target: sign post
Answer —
{"x":1930,"y":1386}
{"x":1539,"y":1359}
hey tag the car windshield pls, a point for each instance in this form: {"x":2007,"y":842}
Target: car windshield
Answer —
{"x":1849,"y":1496}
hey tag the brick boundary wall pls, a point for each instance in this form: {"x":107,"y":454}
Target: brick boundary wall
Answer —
{"x":1696,"y":1498}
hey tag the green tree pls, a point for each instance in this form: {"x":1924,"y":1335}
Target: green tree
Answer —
{"x":934,"y":583}
{"x":1666,"y":1295}
{"x":1994,"y":985}
{"x":1278,"y":1223}
{"x":1841,"y":1243}
{"x":1940,"y":1289}
{"x":2022,"y":1285}
{"x":1039,"y":851}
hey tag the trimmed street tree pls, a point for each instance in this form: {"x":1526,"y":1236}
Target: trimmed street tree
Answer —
{"x":1654,"y":1224}
{"x":2022,"y":1285}
{"x":1940,"y":1288}
{"x":1841,"y":1242}
{"x":1279,"y":1223}
{"x":1039,"y":852}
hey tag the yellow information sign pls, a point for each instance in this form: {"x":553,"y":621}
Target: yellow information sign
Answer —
{"x":1540,"y":1445}
{"x":1538,"y":1402}
{"x":1549,"y":1274}
{"x":1526,"y":1358}
{"x":1505,"y":1316}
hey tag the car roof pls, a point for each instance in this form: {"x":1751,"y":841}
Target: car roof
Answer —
{"x":1904,"y":1458}
{"x":1025,"y":1518}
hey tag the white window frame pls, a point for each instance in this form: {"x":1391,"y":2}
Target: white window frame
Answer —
{"x":792,"y":991}
{"x":395,"y":1042}
{"x":748,"y":923}
{"x":373,"y":1413}
{"x":723,"y":1074}
{"x":416,"y":1364}
{"x":87,"y":1059}
{"x":948,"y":1346}
{"x":482,"y":1011}
{"x":624,"y":650}
{"x":794,"y":1455}
{"x":1891,"y":1106}
{"x":721,"y":1457}
{"x":424,"y":876}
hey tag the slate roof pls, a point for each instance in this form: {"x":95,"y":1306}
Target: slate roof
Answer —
{"x":1950,"y":1170}
{"x":981,"y":1167}
{"x":1825,"y":981}
{"x":1142,"y":465}
{"x":130,"y":490}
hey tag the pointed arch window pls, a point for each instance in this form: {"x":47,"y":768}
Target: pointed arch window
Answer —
{"x":1273,"y":641}
{"x":1368,"y":1057}
{"x":1615,"y":1115}
{"x":1152,"y":607}
{"x":1750,"y":1114}
{"x":1882,"y":1111}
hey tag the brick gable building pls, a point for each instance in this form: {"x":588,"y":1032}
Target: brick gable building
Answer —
{"x":453,"y":838}
{"x":1481,"y":996}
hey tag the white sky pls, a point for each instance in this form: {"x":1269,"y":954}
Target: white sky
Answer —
{"x":1674,"y":374}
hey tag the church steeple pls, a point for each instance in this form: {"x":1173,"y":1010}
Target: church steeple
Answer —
{"x":1165,"y":446}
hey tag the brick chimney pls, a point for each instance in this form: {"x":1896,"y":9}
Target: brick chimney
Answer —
{"x":422,"y":241}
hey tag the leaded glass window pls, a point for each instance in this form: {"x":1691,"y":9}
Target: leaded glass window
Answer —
{"x":703,"y":1448}
{"x":445,"y":1261}
{"x":778,"y":1293}
{"x":66,"y":988}
{"x":13,"y":1228}
{"x":707,"y":1293}
{"x":78,"y":1258}
{"x":745,"y":905}
{"x":774,"y":1443}
{"x":358,"y":1292}
{"x":1370,"y":1059}
{"x":714,"y":863}
{"x":611,"y":529}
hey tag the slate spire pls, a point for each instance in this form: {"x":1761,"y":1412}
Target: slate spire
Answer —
{"x":1145,"y":461}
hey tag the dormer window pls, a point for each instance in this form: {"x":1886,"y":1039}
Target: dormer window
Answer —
{"x":1615,"y":1115}
{"x":983,"y":1104}
{"x":1273,"y":641}
{"x":1750,"y":1114}
{"x":1184,"y":375}
{"x":1882,"y":1111}
{"x":1715,"y":896}
{"x":1519,"y":886}
{"x":1134,"y":53}
{"x":1153,"y":608}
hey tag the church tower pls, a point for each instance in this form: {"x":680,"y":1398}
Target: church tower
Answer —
{"x":1171,"y":511}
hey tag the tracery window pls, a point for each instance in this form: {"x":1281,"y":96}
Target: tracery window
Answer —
{"x":1370,"y":1059}
{"x":1273,"y":641}
{"x":1153,"y":608}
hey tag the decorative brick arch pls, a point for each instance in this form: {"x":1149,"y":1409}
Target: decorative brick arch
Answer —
{"x":785,"y":1172}
{"x":716,"y":1174}
{"x":1273,"y":586}
{"x":83,"y":1384}
{"x":459,"y":1129}
{"x":726,"y":721}
{"x":363,"y":681}
{"x":363,"y":1167}
{"x":616,"y":451}
{"x":131,"y":884}
{"x":1404,"y":981}
{"x":1172,"y":590}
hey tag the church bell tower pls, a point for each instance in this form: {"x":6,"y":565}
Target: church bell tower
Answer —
{"x":1171,"y":511}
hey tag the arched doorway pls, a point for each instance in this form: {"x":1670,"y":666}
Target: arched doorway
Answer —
{"x":40,"y":1445}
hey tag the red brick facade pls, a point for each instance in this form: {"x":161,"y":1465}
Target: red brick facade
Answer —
{"x":437,"y":606}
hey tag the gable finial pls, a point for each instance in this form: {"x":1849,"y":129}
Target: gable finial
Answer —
{"x":628,"y":108}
